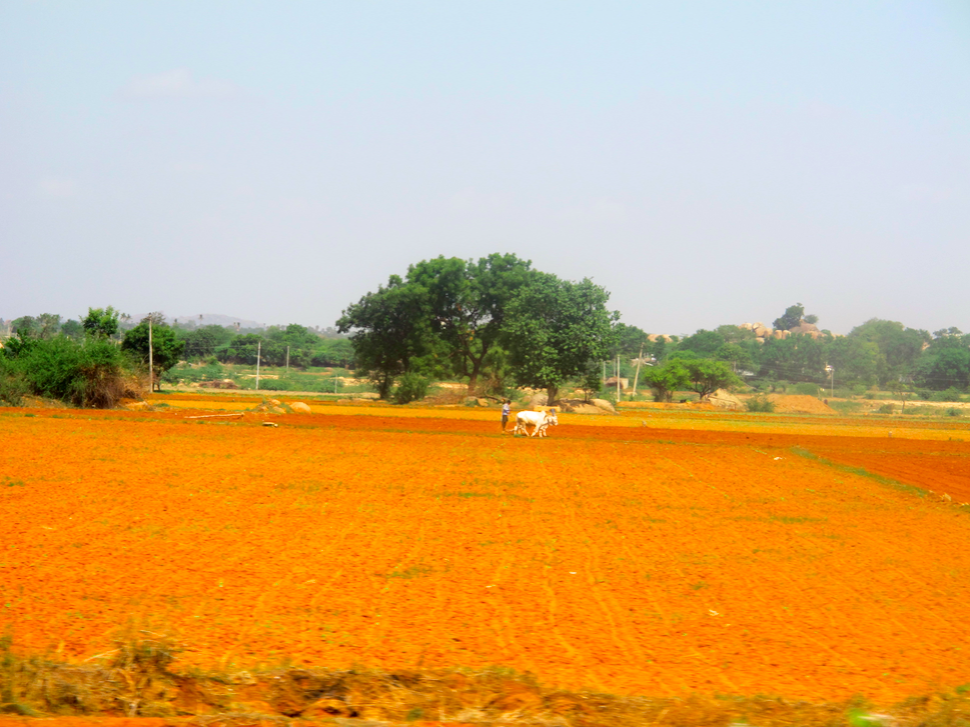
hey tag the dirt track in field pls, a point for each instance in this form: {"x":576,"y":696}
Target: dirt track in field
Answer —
{"x":629,"y":559}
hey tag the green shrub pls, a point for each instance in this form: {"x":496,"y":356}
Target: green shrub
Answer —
{"x":760,"y":404}
{"x":804,"y":389}
{"x":410,"y":387}
{"x":280,"y":384}
{"x":886,"y":409}
{"x":953,"y":412}
{"x":951,"y":394}
{"x":13,"y":387}
{"x":93,"y":372}
{"x":185,"y":372}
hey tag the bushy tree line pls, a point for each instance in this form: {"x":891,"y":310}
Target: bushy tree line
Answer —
{"x":78,"y":364}
{"x":876,"y":353}
{"x":494,"y":322}
{"x":306,"y":348}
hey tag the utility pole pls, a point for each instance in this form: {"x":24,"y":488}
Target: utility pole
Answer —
{"x":287,"y":359}
{"x":151,"y":357}
{"x":619,"y":388}
{"x":636,"y":376}
{"x":259,"y":350}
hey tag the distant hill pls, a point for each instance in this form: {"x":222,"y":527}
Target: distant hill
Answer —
{"x":220,"y":319}
{"x":216,"y":319}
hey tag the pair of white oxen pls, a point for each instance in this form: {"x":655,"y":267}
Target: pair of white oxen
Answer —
{"x":540,"y":421}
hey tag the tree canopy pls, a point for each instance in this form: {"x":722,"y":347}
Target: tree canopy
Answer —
{"x":393,"y":332}
{"x":467,"y":302}
{"x":705,"y":376}
{"x":101,"y":322}
{"x":555,"y":328}
{"x":665,"y":379}
{"x":166,"y":347}
{"x":478,"y":320}
{"x":792,"y":317}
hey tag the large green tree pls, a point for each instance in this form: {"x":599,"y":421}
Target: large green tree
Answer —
{"x":467,"y":302}
{"x":797,"y":358}
{"x":392,"y":332}
{"x":554,"y":329}
{"x":900,"y":347}
{"x":736,"y":354}
{"x":855,"y":360}
{"x":946,"y":363}
{"x":166,"y":347}
{"x":665,"y":379}
{"x":704,"y":343}
{"x":101,"y":322}
{"x":630,"y":340}
{"x":793,"y":316}
{"x":204,"y":341}
{"x":446,"y":316}
{"x":705,"y":376}
{"x":72,"y":329}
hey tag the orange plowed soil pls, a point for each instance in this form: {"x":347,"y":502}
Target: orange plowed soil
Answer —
{"x":941,"y":469}
{"x":632,"y":560}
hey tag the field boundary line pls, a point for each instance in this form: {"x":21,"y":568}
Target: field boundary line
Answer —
{"x":861,"y":472}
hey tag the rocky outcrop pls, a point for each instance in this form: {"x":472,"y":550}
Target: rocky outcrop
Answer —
{"x":540,"y":398}
{"x":604,"y":405}
{"x":579,"y":406}
{"x":724,"y":399}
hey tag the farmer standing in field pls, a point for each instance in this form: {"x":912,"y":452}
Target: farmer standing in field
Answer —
{"x":506,"y":409}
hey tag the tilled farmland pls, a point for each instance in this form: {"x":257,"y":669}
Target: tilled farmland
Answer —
{"x":650,"y":560}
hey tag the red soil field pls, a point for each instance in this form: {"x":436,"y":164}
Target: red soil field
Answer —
{"x":630,"y":560}
{"x":941,"y":467}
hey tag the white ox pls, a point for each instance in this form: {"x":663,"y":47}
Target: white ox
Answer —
{"x":540,"y":421}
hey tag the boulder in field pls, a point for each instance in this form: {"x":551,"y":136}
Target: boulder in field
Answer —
{"x":579,"y":406}
{"x":604,"y":405}
{"x":299,"y":407}
{"x":724,"y":399}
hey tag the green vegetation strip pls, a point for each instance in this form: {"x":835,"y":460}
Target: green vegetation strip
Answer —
{"x":861,"y":472}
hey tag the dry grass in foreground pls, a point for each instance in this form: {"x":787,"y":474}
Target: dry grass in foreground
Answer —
{"x":136,"y":682}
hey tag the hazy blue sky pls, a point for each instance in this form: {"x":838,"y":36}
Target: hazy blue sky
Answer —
{"x":707,"y":162}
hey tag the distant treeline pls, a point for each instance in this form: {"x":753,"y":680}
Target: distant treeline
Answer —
{"x":876,"y":353}
{"x":307,"y":347}
{"x":467,"y":330}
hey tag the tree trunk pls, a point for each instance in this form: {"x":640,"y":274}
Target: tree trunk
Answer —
{"x":384,"y":383}
{"x":552,"y":393}
{"x":476,"y":370}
